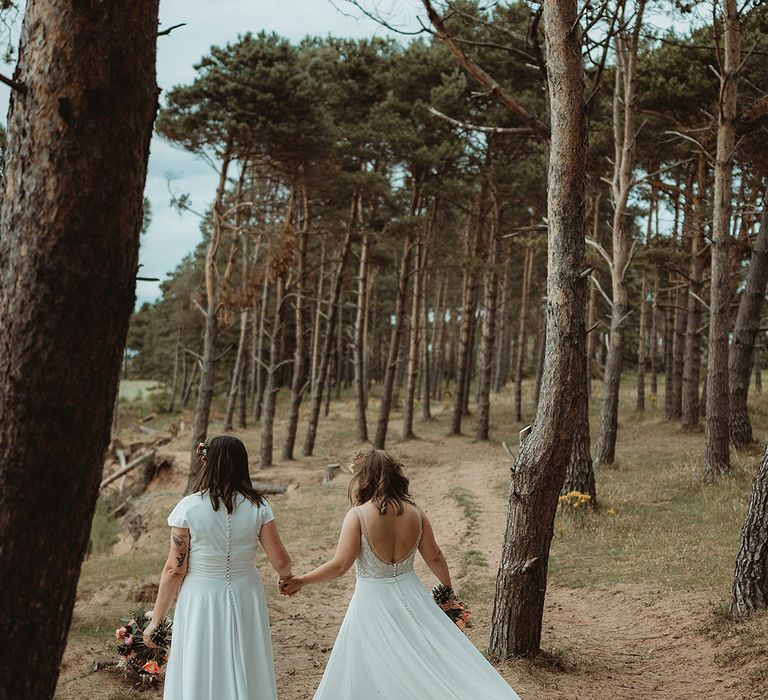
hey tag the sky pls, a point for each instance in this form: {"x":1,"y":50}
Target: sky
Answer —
{"x":215,"y":22}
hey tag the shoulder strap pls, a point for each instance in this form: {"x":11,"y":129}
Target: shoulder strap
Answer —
{"x":363,"y":524}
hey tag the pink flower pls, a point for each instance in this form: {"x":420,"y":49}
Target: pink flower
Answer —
{"x":128,"y":640}
{"x":120,"y":633}
{"x":151,"y":667}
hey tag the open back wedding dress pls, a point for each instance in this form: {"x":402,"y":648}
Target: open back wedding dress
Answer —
{"x":396,"y":644}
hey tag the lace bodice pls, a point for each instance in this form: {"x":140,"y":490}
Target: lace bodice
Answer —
{"x":370,"y":565}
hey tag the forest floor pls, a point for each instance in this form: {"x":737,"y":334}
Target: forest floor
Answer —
{"x":638,"y":593}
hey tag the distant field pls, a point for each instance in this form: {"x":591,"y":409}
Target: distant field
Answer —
{"x":132,"y":389}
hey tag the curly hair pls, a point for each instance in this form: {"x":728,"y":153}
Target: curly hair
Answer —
{"x":378,"y":477}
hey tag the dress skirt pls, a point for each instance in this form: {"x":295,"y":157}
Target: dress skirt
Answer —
{"x":221,"y":646}
{"x":396,"y":643}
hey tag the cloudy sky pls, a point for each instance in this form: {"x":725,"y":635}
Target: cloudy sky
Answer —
{"x":209,"y":23}
{"x":215,"y":22}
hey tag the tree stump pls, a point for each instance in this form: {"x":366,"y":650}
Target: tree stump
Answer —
{"x":330,"y":472}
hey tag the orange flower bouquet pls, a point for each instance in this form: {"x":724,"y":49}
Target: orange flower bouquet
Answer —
{"x":450,"y":604}
{"x":145,"y":664}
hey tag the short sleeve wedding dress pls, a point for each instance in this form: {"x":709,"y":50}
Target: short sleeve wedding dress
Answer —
{"x":396,"y":644}
{"x":221,"y":646}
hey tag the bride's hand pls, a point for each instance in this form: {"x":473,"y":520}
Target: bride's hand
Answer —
{"x":150,"y":629}
{"x":291,"y":586}
{"x":281,"y":582}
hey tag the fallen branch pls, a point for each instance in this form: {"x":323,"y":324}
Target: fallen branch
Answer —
{"x":143,"y":459}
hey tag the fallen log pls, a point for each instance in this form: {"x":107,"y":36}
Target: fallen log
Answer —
{"x":143,"y":459}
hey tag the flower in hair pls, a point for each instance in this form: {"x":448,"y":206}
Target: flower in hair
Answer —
{"x":202,"y":450}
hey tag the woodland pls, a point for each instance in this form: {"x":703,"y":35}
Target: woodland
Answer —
{"x":525,"y":247}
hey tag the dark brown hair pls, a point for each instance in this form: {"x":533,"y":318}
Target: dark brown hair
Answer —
{"x":378,"y":477}
{"x":225,"y":473}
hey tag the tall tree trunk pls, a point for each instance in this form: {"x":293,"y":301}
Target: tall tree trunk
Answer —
{"x":316,"y":331}
{"x":271,"y":388}
{"x":502,"y":363}
{"x":298,"y":382}
{"x":261,"y":373}
{"x":211,"y":332}
{"x":655,"y":322}
{"x":718,"y":458}
{"x":522,"y":333}
{"x":414,"y":340}
{"x":463,"y":364}
{"x":441,"y":339}
{"x":360,"y":350}
{"x":669,"y":349}
{"x":592,"y":303}
{"x":625,"y":142}
{"x":426,"y":347}
{"x":750,"y":578}
{"x":679,"y":350}
{"x":325,"y":357}
{"x":76,"y":162}
{"x":540,"y":467}
{"x":641,"y":340}
{"x":390,"y":369}
{"x":491,"y":292}
{"x":239,"y":367}
{"x":580,"y":473}
{"x":237,"y":372}
{"x":744,"y":335}
{"x":692,"y":359}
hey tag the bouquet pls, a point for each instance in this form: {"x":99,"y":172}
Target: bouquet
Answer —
{"x":137,"y":659}
{"x":451,"y":605}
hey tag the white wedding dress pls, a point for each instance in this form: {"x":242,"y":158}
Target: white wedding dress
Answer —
{"x":221,"y":646}
{"x":396,"y":644}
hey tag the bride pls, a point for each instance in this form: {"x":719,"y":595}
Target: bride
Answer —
{"x":395,"y":642}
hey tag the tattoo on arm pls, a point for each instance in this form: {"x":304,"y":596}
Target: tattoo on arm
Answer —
{"x":181,"y":546}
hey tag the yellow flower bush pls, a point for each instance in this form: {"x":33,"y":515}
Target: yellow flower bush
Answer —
{"x":574,"y":500}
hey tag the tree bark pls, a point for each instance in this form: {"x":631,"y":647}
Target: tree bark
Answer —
{"x":325,"y":357}
{"x":360,"y":351}
{"x":71,"y":214}
{"x":390,"y":370}
{"x":298,"y":381}
{"x":692,"y":359}
{"x":641,"y":344}
{"x":211,"y":333}
{"x":261,"y":374}
{"x":580,"y":473}
{"x":522,"y":330}
{"x":540,"y":467}
{"x":718,"y":458}
{"x":239,"y":368}
{"x":745,"y":332}
{"x":750,"y":578}
{"x":414,"y":340}
{"x":625,"y":143}
{"x":270,"y":384}
{"x":655,"y":322}
{"x":491,"y":292}
{"x":463,"y":371}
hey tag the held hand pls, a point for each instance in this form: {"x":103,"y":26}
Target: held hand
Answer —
{"x":291,"y":586}
{"x":282,"y":581}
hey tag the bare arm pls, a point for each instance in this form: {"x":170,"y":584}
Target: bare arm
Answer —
{"x":432,"y":554}
{"x":276,"y":552}
{"x":346,"y":553}
{"x":170,"y":579}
